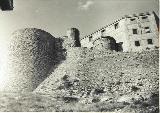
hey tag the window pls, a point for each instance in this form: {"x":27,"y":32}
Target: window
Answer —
{"x":133,"y":19}
{"x":135,"y":31}
{"x":90,"y":38}
{"x":144,"y":17}
{"x":103,"y":31}
{"x":141,"y":14}
{"x":147,"y":30}
{"x":148,"y":13}
{"x":137,"y":43}
{"x":149,"y":41}
{"x":116,"y":26}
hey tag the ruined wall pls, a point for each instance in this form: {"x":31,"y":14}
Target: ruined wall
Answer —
{"x":129,"y":30}
{"x":72,"y":39}
{"x":115,"y":30}
{"x":107,"y":43}
{"x":90,"y":74}
{"x":31,"y":54}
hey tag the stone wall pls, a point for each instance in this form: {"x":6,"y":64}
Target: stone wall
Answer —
{"x":72,"y":39}
{"x":127,"y":31}
{"x":31,"y":54}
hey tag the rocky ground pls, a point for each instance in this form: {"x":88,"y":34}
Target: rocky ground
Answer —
{"x":91,"y":80}
{"x":89,"y":77}
{"x":31,"y":102}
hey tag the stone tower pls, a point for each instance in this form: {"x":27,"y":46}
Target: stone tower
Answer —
{"x":31,"y":54}
{"x":73,"y":37}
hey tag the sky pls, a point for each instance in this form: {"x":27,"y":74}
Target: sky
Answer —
{"x":56,"y":16}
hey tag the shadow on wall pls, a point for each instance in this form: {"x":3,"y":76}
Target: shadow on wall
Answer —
{"x":109,"y":43}
{"x":60,"y":55}
{"x":32,"y":55}
{"x":157,"y":20}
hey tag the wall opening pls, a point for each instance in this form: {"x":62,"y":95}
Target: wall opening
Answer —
{"x":147,"y":30}
{"x":137,"y":43}
{"x":135,"y":31}
{"x":90,"y":38}
{"x":119,"y":46}
{"x":116,"y":26}
{"x":149,"y":41}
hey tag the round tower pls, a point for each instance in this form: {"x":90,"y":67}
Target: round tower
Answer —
{"x":73,"y":37}
{"x":30,"y":57}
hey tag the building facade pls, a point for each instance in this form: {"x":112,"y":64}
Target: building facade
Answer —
{"x":135,"y":32}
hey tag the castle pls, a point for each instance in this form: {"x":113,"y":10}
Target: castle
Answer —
{"x":33,"y":54}
{"x":109,"y":65}
{"x":131,"y":33}
{"x":116,"y":64}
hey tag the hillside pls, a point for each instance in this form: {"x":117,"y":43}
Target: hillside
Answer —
{"x":92,"y":80}
{"x":91,"y":76}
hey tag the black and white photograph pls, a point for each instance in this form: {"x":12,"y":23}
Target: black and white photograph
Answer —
{"x":79,"y":56}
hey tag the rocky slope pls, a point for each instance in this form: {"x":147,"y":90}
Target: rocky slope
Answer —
{"x":91,"y":76}
{"x":91,"y":80}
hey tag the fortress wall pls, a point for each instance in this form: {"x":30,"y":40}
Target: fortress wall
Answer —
{"x":31,"y":54}
{"x":114,"y":74}
{"x":73,"y":38}
{"x":77,"y":53}
{"x":136,"y":32}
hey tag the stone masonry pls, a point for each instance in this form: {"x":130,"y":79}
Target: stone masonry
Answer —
{"x":31,"y":54}
{"x":137,"y":32}
{"x":118,"y":62}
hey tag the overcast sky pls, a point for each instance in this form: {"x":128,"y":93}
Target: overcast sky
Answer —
{"x":55,"y":16}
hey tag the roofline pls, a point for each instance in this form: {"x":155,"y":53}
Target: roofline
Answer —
{"x":104,"y":27}
{"x":125,"y":16}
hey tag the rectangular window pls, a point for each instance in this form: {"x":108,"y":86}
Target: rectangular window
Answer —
{"x":141,"y":14}
{"x":135,"y":31}
{"x":90,"y":38}
{"x":116,"y":26}
{"x":147,"y":30}
{"x":149,"y":41}
{"x":144,"y":17}
{"x":133,"y":19}
{"x":137,"y":43}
